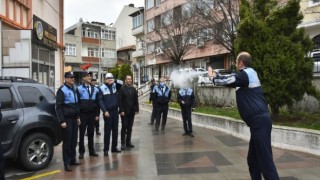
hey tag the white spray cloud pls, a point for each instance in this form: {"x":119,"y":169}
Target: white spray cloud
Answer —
{"x":181,"y":79}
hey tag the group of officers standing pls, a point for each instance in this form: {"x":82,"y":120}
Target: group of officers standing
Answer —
{"x":79,"y":108}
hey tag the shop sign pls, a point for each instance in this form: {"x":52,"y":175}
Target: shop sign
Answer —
{"x":44,"y":34}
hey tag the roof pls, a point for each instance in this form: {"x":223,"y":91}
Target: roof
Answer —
{"x":139,"y":11}
{"x":132,"y":47}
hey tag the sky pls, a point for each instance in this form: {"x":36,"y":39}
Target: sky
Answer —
{"x":106,"y":11}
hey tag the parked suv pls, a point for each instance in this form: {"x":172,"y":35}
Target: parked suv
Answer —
{"x":29,"y":127}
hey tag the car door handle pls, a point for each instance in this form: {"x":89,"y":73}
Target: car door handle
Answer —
{"x":13,"y":120}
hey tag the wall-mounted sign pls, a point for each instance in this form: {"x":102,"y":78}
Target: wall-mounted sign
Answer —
{"x":44,"y":34}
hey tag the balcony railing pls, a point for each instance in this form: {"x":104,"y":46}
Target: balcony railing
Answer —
{"x":138,"y":30}
{"x":138,"y":53}
{"x":108,"y":62}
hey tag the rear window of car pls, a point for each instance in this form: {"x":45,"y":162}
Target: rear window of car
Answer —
{"x":31,"y":96}
{"x":6,"y":99}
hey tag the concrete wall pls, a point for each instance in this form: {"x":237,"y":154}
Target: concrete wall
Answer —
{"x":296,"y":139}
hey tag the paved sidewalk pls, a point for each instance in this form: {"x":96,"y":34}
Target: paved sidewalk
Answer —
{"x":209,"y":155}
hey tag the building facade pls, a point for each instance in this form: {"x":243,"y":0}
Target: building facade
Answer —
{"x":90,"y":46}
{"x":204,"y":53}
{"x":31,"y":40}
{"x":138,"y":28}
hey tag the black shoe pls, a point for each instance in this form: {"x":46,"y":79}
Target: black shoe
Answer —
{"x":123,"y":146}
{"x":98,"y":133}
{"x":116,"y":150}
{"x":191,"y":135}
{"x":92,"y":154}
{"x":75,"y":163}
{"x":130,"y":145}
{"x":81,"y":156}
{"x":105,"y":153}
{"x":185,"y":134}
{"x":67,"y":168}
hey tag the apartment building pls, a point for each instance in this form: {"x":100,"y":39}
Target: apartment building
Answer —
{"x":90,"y":46}
{"x":31,"y":40}
{"x":311,"y":24}
{"x":204,"y":53}
{"x":138,"y":28}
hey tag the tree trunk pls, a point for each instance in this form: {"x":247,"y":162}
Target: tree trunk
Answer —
{"x":275,"y":112}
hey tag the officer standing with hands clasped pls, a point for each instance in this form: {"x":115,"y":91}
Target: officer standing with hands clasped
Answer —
{"x":89,"y":112}
{"x":254,"y":111}
{"x":1,"y":154}
{"x":187,"y":102}
{"x":109,"y":106}
{"x":96,"y":124}
{"x":67,"y":109}
{"x":162,"y":95}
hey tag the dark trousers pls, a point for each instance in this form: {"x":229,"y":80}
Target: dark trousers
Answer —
{"x":153,"y":114}
{"x":70,"y":136}
{"x":162,"y":109}
{"x":126,"y":129}
{"x":87,"y":123}
{"x":259,"y":158}
{"x":111,"y":123}
{"x":1,"y":164}
{"x":186,"y":117}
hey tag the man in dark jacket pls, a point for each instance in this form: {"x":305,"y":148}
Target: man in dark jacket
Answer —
{"x":254,"y":111}
{"x":1,"y":153}
{"x":109,"y":106}
{"x":67,"y":109}
{"x":162,"y":95}
{"x":129,"y":107}
{"x":89,"y":112}
{"x":153,"y":114}
{"x":186,"y":101}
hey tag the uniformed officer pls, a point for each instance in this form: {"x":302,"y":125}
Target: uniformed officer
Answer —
{"x":67,"y":109}
{"x":254,"y":111}
{"x":89,"y":112}
{"x":162,"y":95}
{"x":109,"y":106}
{"x":187,"y":102}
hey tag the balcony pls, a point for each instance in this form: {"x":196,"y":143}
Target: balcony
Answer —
{"x":90,"y":40}
{"x":108,"y":62}
{"x":138,"y":53}
{"x":138,"y":30}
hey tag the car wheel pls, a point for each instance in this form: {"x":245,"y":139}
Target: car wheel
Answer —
{"x":202,"y":83}
{"x":36,"y":152}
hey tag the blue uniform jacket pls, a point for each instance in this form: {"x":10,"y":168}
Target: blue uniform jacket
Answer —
{"x":108,"y":98}
{"x":250,"y":99}
{"x":67,"y":103}
{"x":88,"y":102}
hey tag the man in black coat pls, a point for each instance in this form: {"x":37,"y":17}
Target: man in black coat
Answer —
{"x":129,"y":107}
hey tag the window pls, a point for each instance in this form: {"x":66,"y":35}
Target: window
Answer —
{"x":108,"y":53}
{"x":137,"y":21}
{"x":150,"y":48}
{"x":158,"y":3}
{"x":93,"y":52}
{"x":150,"y":25}
{"x":90,"y":33}
{"x":6,"y":99}
{"x":150,"y":4}
{"x":108,"y":34}
{"x":314,"y":2}
{"x":157,"y":22}
{"x":186,"y":10}
{"x":166,"y":18}
{"x":30,"y":101}
{"x":70,"y":49}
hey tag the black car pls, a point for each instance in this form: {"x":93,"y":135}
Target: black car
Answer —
{"x":29,"y":129}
